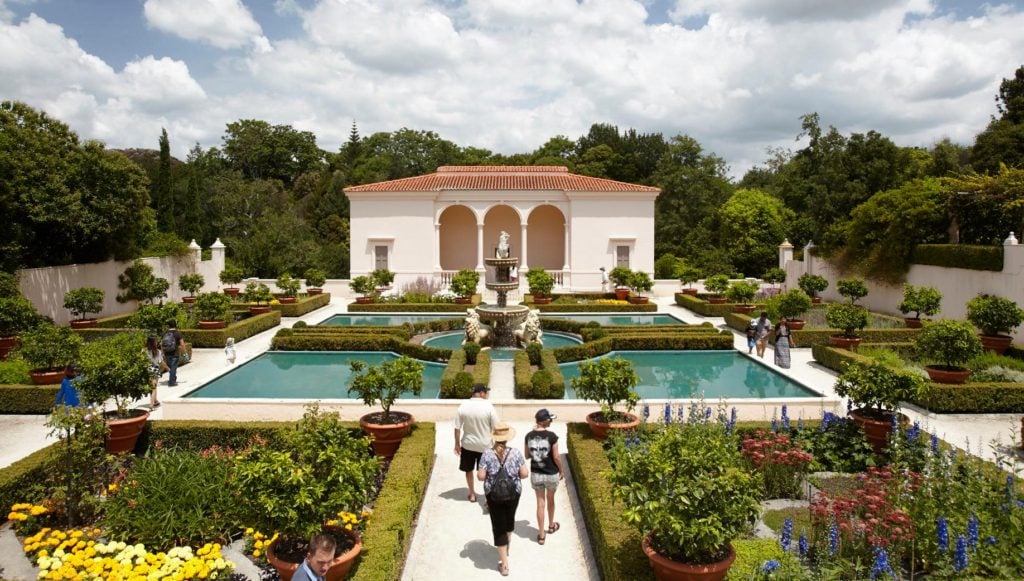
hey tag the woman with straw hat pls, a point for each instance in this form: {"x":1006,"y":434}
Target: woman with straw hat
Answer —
{"x":500,"y":464}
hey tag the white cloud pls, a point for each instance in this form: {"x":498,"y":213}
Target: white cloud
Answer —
{"x":224,"y":24}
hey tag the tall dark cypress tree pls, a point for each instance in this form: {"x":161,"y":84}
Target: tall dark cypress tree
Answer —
{"x":163,"y":196}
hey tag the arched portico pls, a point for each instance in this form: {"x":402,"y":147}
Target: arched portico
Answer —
{"x":547,"y":235}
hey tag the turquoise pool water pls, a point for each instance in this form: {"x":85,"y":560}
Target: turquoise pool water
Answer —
{"x":453,"y":340}
{"x":634,"y":319}
{"x":306,"y":375}
{"x":375,"y":320}
{"x":687,"y":374}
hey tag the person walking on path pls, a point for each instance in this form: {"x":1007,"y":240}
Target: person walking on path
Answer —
{"x":172,"y":343}
{"x":229,"y":350}
{"x":156,"y":368}
{"x":318,"y":559}
{"x":502,"y":469}
{"x":751,"y":335}
{"x":764,"y":327}
{"x":474,"y":421}
{"x":545,"y":471}
{"x":67,"y":394}
{"x":783,"y":342}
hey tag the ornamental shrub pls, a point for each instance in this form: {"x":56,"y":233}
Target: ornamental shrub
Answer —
{"x":464,"y":282}
{"x":793,"y":303}
{"x":920,"y":300}
{"x":382,"y":277}
{"x":191,"y":283}
{"x":288,"y":285}
{"x":541,"y":383}
{"x":688,"y":274}
{"x":82,"y":301}
{"x":641,"y":282}
{"x":9,"y":286}
{"x":812,"y":284}
{"x":716,"y":284}
{"x":213,"y":307}
{"x":608,"y":381}
{"x":50,"y":348}
{"x":540,"y":281}
{"x":853,"y":289}
{"x":665,"y":266}
{"x":362,"y":285}
{"x":153,"y":318}
{"x":879,"y":387}
{"x":994,"y":315}
{"x":17,"y":315}
{"x":533,"y":351}
{"x":257,"y":292}
{"x":774,"y":275}
{"x":385,"y":382}
{"x":231,"y":275}
{"x":315,"y":278}
{"x":115,"y":368}
{"x":848,"y":317}
{"x":472,"y":350}
{"x":741,"y":291}
{"x":951,"y":343}
{"x":138,"y":283}
{"x":620,"y":276}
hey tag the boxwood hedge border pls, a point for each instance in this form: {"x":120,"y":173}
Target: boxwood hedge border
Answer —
{"x":202,"y":338}
{"x":27,"y":399}
{"x":304,"y":304}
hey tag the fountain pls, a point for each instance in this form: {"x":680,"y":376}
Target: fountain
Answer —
{"x":504,"y":320}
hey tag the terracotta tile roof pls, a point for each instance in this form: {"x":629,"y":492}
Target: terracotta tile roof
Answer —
{"x":501,"y":177}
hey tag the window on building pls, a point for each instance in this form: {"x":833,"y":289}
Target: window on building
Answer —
{"x":622,"y":256}
{"x":380,"y":255}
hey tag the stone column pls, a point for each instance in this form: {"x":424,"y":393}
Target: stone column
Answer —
{"x":217,"y":255}
{"x":197,"y":253}
{"x":1013,"y":255}
{"x":785,"y":253}
{"x":565,"y":265}
{"x":523,"y":265}
{"x":480,"y":247}
{"x":437,"y":247}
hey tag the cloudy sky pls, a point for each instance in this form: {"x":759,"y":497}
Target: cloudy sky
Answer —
{"x":507,"y":75}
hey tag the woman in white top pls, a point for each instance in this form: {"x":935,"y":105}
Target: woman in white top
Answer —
{"x":156,"y":362}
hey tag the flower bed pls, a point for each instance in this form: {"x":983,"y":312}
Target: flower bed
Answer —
{"x":407,"y":308}
{"x":576,"y":303}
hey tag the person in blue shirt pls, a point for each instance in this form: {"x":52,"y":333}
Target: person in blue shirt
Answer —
{"x":67,"y":394}
{"x":318,"y":560}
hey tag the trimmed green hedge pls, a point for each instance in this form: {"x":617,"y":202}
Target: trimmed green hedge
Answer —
{"x":407,"y":308}
{"x":525,"y":387}
{"x":564,"y":325}
{"x":19,"y":481}
{"x":456,"y":364}
{"x":554,"y":307}
{"x":27,"y":399}
{"x":702,"y":307}
{"x":720,"y":341}
{"x":357,"y":342}
{"x":241,"y":330}
{"x":438,"y":326}
{"x":959,"y":256}
{"x":303,"y":305}
{"x":616,"y":545}
{"x":400,"y":331}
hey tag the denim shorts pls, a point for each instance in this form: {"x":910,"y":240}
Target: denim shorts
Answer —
{"x":543,"y":481}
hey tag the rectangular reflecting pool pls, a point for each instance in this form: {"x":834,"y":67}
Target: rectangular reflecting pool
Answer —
{"x":688,"y":374}
{"x":624,"y":319}
{"x":306,"y":375}
{"x":384,"y":320}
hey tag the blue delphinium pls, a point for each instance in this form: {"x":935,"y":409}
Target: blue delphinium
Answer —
{"x":991,"y":540}
{"x":800,"y":424}
{"x":935,"y":444}
{"x":785,"y":419}
{"x":769,"y":566}
{"x":775,"y":426}
{"x":681,"y":414}
{"x":668,"y":413}
{"x":802,"y":545}
{"x":943,"y":534}
{"x":647,"y":412}
{"x":833,"y":539}
{"x":787,"y":533}
{"x":972,"y":531}
{"x":914,"y":432}
{"x":707,"y":413}
{"x":960,"y":556}
{"x":881,"y":566}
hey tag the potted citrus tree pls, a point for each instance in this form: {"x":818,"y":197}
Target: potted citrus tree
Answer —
{"x":853,"y":289}
{"x":919,"y":300}
{"x":382,"y":278}
{"x":716,"y":285}
{"x":295,"y":488}
{"x":742,"y":293}
{"x":315,"y":279}
{"x":192,"y":284}
{"x":685,"y":488}
{"x":687,"y":275}
{"x":850,"y":319}
{"x":997,"y":317}
{"x":213,"y":310}
{"x":875,"y":391}
{"x":365,"y":287}
{"x":81,"y":302}
{"x":792,"y":304}
{"x":608,"y":381}
{"x":951,"y":344}
{"x":464,"y":285}
{"x":540,"y":284}
{"x":382,"y":384}
{"x":640,"y":282}
{"x":812,"y":284}
{"x":774,"y":276}
{"x":17,"y":315}
{"x":620,"y":277}
{"x":48,"y":349}
{"x":117,"y":368}
{"x":231,"y":276}
{"x":289,"y":288}
{"x":255,"y":294}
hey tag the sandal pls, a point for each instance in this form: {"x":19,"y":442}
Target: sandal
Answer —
{"x":541,"y":538}
{"x":554,"y":528}
{"x":503,"y":569}
{"x":472,"y":498}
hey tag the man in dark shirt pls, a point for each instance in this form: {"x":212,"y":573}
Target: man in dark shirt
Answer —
{"x":172,"y":344}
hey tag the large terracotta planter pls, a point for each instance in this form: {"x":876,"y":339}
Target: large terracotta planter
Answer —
{"x":913,"y":322}
{"x":638,"y":300}
{"x":844,"y":342}
{"x":541,"y":300}
{"x":943,"y":374}
{"x":716,"y":300}
{"x":212,"y":324}
{"x":125,"y":431}
{"x":286,"y":300}
{"x":876,"y":427}
{"x":259,"y":310}
{"x":83,"y":323}
{"x":621,"y":294}
{"x":600,"y":429}
{"x":364,"y":300}
{"x":744,"y":309}
{"x":188,"y":300}
{"x":463,"y":300}
{"x":314,"y":291}
{"x":386,"y":437}
{"x":690,"y":291}
{"x":996,"y":343}
{"x":232,"y":291}
{"x":815,"y":300}
{"x":668,"y":570}
{"x":796,"y":324}
{"x":340,"y":567}
{"x":7,"y":344}
{"x":44,"y":377}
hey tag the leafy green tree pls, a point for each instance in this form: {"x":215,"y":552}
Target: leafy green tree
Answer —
{"x":1002,"y":142}
{"x":404,"y":153}
{"x":751,"y":225}
{"x":277,"y":152}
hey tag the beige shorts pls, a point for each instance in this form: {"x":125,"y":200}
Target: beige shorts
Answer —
{"x":543,"y":481}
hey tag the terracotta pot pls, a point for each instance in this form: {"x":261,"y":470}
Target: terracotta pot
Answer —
{"x":621,"y":294}
{"x":716,"y":300}
{"x":463,"y":300}
{"x":125,"y":431}
{"x":541,"y":300}
{"x":913,"y":322}
{"x":188,"y":300}
{"x":796,"y":324}
{"x":314,"y":291}
{"x":340,"y":566}
{"x":844,"y":342}
{"x":744,"y":309}
{"x":212,"y":324}
{"x":876,"y":429}
{"x":387,"y":437}
{"x":666,"y":569}
{"x":943,"y":374}
{"x":46,"y":377}
{"x":815,"y":300}
{"x":232,"y":291}
{"x":7,"y":344}
{"x":286,"y":300}
{"x":83,"y":324}
{"x":690,"y":291}
{"x":997,"y":343}
{"x":259,"y":310}
{"x":364,"y":300}
{"x":600,"y":429}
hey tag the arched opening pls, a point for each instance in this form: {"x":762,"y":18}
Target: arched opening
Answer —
{"x":545,"y":238}
{"x":458,"y":238}
{"x":498,"y":219}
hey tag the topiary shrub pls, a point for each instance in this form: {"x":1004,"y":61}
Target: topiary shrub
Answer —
{"x":533,"y":351}
{"x":191,"y":283}
{"x":541,"y":383}
{"x":741,"y":292}
{"x":716,"y":284}
{"x":994,"y":315}
{"x":231,"y":275}
{"x":812,"y":284}
{"x":288,"y":285}
{"x":315,"y":278}
{"x":213,"y":307}
{"x":853,"y":289}
{"x":462,"y":386}
{"x":848,"y":317}
{"x":50,"y":348}
{"x":793,"y":303}
{"x":920,"y":300}
{"x":472,"y":350}
{"x":951,"y":343}
{"x":82,"y":301}
{"x":300,"y":325}
{"x":774,"y":276}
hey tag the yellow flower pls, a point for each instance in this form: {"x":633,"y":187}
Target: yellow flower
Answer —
{"x":248,"y":531}
{"x":256,"y":553}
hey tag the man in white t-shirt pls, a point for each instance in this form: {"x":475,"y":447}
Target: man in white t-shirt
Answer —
{"x":474,"y":423}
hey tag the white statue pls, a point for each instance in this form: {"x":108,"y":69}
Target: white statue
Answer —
{"x":529,"y":330}
{"x":503,"y":251}
{"x":476,"y":332}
